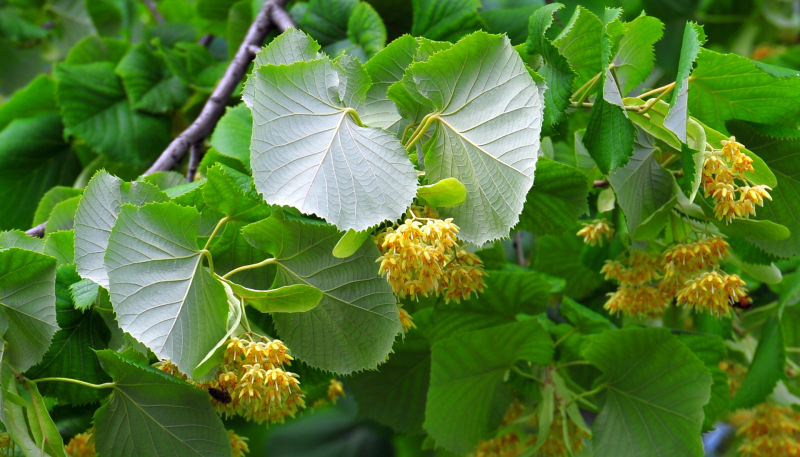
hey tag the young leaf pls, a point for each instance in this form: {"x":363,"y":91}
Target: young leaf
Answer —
{"x":634,"y":59}
{"x":325,"y":20}
{"x":349,"y":243}
{"x":656,"y":389}
{"x":97,"y":214}
{"x":149,"y":84}
{"x":355,"y":323}
{"x":63,"y":216}
{"x":445,"y":21}
{"x":579,"y":43}
{"x":155,"y":414}
{"x":231,"y":136}
{"x":60,"y":245}
{"x":84,"y":293}
{"x":609,"y":136}
{"x":467,"y":396}
{"x":446,"y":193}
{"x":558,"y":197}
{"x":164,"y":180}
{"x":642,"y":186}
{"x":27,"y":304}
{"x":19,"y":239}
{"x":50,"y":199}
{"x":767,"y":367}
{"x":366,"y":34}
{"x":728,"y":86}
{"x":43,"y":430}
{"x":486,"y":130}
{"x":96,"y":110}
{"x":162,"y":294}
{"x":556,"y":70}
{"x":583,"y":318}
{"x":72,"y":351}
{"x":386,"y":68}
{"x":12,"y":411}
{"x":350,"y":175}
{"x":678,"y":115}
{"x":296,"y":298}
{"x":38,"y":97}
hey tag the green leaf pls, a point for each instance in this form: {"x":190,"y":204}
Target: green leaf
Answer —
{"x":653,"y":402}
{"x":27,"y":304}
{"x":72,"y":351}
{"x":579,"y":43}
{"x":487,"y":137}
{"x":711,"y":350}
{"x":149,"y":84}
{"x":748,"y":252}
{"x":194,"y":65}
{"x":558,"y":197}
{"x":642,"y":186}
{"x":212,"y":361}
{"x":349,"y":243}
{"x":633,"y":61}
{"x":96,"y":110}
{"x":162,"y":294}
{"x":231,"y":250}
{"x":12,"y":413}
{"x":63,"y":216}
{"x":728,"y":86}
{"x":610,"y":136}
{"x":240,"y":16}
{"x":155,"y":414}
{"x":767,"y":367}
{"x":296,"y":298}
{"x":555,"y":69}
{"x":311,"y":107}
{"x":18,"y":239}
{"x":355,"y":323}
{"x":214,"y":9}
{"x":96,"y":216}
{"x":43,"y":430}
{"x":678,"y":115}
{"x":446,"y":193}
{"x":94,"y":49}
{"x":467,"y":396}
{"x":50,"y":199}
{"x":511,"y":21}
{"x":38,"y":97}
{"x":445,"y":21}
{"x":386,"y":68}
{"x":583,"y":318}
{"x":366,"y":34}
{"x":768,"y":274}
{"x":507,"y":295}
{"x":60,"y":245}
{"x":164,"y":180}
{"x":581,"y":281}
{"x":395,"y":395}
{"x":784,"y":208}
{"x":84,"y":293}
{"x":232,"y":194}
{"x":33,"y":158}
{"x":231,"y":136}
{"x":325,"y":20}
{"x":655,"y":222}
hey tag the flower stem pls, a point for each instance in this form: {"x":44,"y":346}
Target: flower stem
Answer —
{"x":588,"y":393}
{"x":248,"y":267}
{"x":516,"y":370}
{"x":572,"y":364}
{"x":588,"y":85}
{"x":668,"y":87}
{"x":107,"y":385}
{"x":653,"y":101}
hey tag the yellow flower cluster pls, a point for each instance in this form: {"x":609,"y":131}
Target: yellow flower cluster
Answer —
{"x":594,"y":232}
{"x":736,"y":374}
{"x":6,"y":445}
{"x":405,"y":319}
{"x":713,"y":292}
{"x":427,"y":259}
{"x":81,"y":445}
{"x":253,"y":374}
{"x":721,"y":169}
{"x":507,"y":445}
{"x":335,"y":391}
{"x":768,"y":430}
{"x":637,"y":293}
{"x":238,"y":444}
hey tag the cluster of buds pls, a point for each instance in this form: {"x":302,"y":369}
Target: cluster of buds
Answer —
{"x":594,"y":232}
{"x":81,"y":445}
{"x":768,"y":430}
{"x":723,"y":170}
{"x":238,"y":444}
{"x":422,"y":259}
{"x":255,"y":384}
{"x":638,"y":292}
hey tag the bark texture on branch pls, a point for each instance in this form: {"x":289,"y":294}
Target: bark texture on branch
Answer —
{"x":271,"y":12}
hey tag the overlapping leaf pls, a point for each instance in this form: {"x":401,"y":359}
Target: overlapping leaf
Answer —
{"x":678,"y":116}
{"x":385,"y":69}
{"x":558,"y":197}
{"x":445,"y":21}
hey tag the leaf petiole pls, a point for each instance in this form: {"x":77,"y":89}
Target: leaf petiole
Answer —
{"x":588,"y":393}
{"x":216,"y":229}
{"x":107,"y":385}
{"x":423,"y":127}
{"x":248,"y":267}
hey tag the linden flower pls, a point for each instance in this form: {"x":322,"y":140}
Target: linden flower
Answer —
{"x":508,"y":445}
{"x":768,"y":430}
{"x":593,"y":232}
{"x":736,"y":374}
{"x":636,"y":293}
{"x":692,"y":257}
{"x":81,"y":445}
{"x":335,"y":391}
{"x":713,"y":292}
{"x":238,"y":444}
{"x":406,"y":320}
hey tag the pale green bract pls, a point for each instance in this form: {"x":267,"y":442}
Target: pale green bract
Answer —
{"x":96,"y":215}
{"x":162,"y":294}
{"x":310,"y":152}
{"x":487,"y":115}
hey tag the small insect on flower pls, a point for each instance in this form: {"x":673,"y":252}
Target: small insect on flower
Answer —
{"x":593,"y":232}
{"x":221,"y":396}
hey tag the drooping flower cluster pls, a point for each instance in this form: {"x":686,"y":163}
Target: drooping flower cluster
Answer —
{"x":507,"y":445}
{"x":594,"y":232}
{"x":81,"y":445}
{"x":421,"y":259}
{"x":405,"y":319}
{"x":238,"y":444}
{"x":253,"y":382}
{"x":713,"y":292}
{"x":638,"y":292}
{"x":335,"y":391}
{"x":768,"y":430}
{"x":723,"y":172}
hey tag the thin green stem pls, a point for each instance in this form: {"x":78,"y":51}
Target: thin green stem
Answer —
{"x":793,"y":350}
{"x":588,"y":85}
{"x":208,"y":257}
{"x":574,"y":363}
{"x":248,"y":267}
{"x":245,"y":321}
{"x":588,"y":393}
{"x":216,"y":229}
{"x":420,"y":131}
{"x":564,"y":337}
{"x":669,"y":86}
{"x":516,"y":370}
{"x":107,"y":385}
{"x":353,"y":113}
{"x":653,"y":101}
{"x":408,"y":128}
